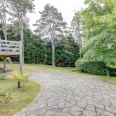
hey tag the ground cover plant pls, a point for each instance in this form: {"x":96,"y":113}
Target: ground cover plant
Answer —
{"x":12,"y":99}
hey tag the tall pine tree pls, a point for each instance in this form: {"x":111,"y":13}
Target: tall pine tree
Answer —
{"x":51,"y":25}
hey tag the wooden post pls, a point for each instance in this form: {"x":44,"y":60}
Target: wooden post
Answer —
{"x":21,"y":57}
{"x":4,"y":63}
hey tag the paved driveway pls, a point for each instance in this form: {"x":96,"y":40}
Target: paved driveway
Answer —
{"x":72,"y":95}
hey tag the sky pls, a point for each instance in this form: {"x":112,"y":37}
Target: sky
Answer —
{"x":66,"y":7}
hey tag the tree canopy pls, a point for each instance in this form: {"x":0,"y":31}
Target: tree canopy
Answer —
{"x":99,"y":26}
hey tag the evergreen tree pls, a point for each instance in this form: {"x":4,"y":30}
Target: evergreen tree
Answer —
{"x":76,"y":26}
{"x":19,"y":10}
{"x":51,"y":25}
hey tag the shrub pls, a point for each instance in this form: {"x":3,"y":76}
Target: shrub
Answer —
{"x":3,"y":77}
{"x":111,"y":69}
{"x":5,"y":97}
{"x":79,"y":64}
{"x":19,"y":77}
{"x":91,"y":67}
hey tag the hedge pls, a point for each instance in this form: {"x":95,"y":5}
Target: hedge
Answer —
{"x":95,"y":67}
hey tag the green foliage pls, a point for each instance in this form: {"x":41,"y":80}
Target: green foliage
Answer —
{"x":6,"y":59}
{"x":48,"y":56}
{"x":19,"y":76}
{"x":99,"y":25}
{"x":5,"y":97}
{"x":66,"y":53}
{"x":91,"y":67}
{"x":20,"y":98}
{"x":37,"y":50}
{"x":64,"y":57}
{"x":111,"y":69}
{"x":79,"y":64}
{"x":51,"y":26}
{"x":34,"y":47}
{"x":3,"y":77}
{"x":61,"y":55}
{"x":100,"y":45}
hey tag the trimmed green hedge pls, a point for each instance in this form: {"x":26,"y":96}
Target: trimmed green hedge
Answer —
{"x":95,"y":67}
{"x":91,"y":67}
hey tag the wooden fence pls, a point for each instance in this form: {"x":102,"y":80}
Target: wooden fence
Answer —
{"x":9,"y":47}
{"x":12,"y":48}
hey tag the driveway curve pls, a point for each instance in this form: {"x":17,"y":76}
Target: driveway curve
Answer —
{"x":72,"y":95}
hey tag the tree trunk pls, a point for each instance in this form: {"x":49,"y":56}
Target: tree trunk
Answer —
{"x":9,"y":59}
{"x":108,"y":73}
{"x":21,"y":36}
{"x":115,"y":63}
{"x":19,"y":84}
{"x":21,"y":58}
{"x":53,"y":52}
{"x":4,"y":65}
{"x":5,"y":36}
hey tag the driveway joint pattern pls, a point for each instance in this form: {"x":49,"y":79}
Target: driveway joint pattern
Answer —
{"x":72,"y":95}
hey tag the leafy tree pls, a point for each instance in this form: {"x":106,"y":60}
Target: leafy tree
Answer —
{"x":19,"y":77}
{"x":50,"y":25}
{"x":19,"y":9}
{"x":101,"y":32}
{"x":48,"y":55}
{"x":35,"y":48}
{"x":67,"y":52}
{"x":39,"y":51}
{"x":73,"y":47}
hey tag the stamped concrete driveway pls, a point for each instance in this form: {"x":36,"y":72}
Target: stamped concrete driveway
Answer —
{"x":72,"y":95}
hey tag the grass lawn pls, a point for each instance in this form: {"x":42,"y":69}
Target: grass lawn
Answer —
{"x":20,"y":97}
{"x":104,"y":78}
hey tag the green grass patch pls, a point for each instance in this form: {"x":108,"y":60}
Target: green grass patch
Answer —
{"x":105,"y":78}
{"x":20,"y":97}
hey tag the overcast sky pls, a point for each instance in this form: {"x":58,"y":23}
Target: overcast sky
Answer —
{"x":66,"y":7}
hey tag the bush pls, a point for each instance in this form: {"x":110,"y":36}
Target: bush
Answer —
{"x":91,"y":67}
{"x":79,"y":63}
{"x":111,"y":70}
{"x":19,"y":77}
{"x":5,"y":97}
{"x":3,"y":77}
